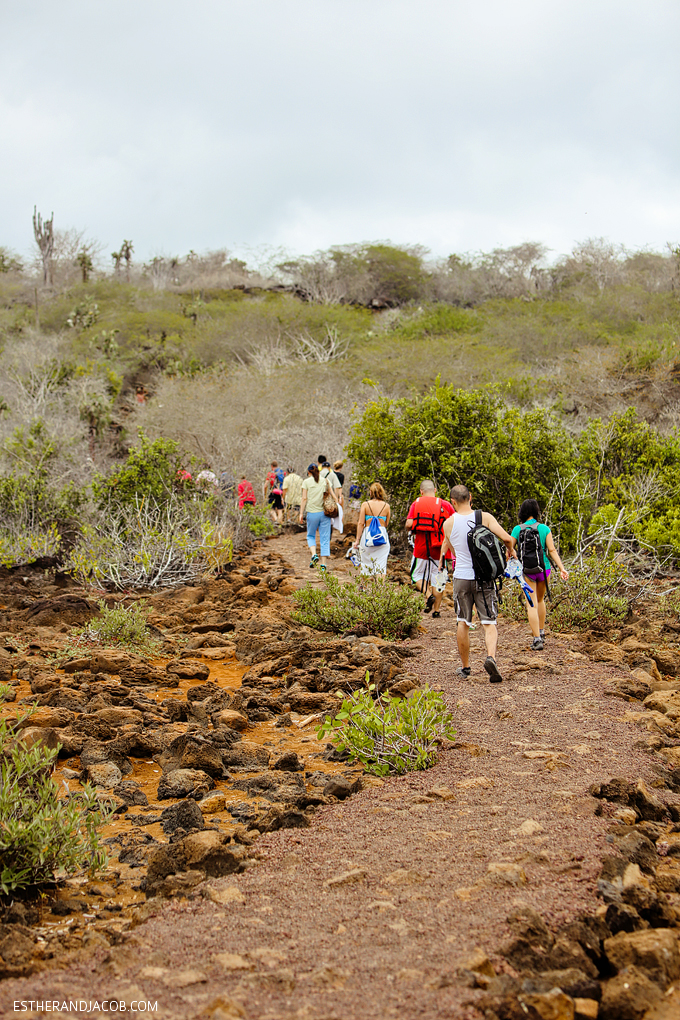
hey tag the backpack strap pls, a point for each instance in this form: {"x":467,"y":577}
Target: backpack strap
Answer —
{"x":478,"y":518}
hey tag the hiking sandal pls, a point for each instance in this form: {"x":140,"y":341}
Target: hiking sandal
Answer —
{"x":429,"y":604}
{"x":493,"y":671}
{"x":313,"y":562}
{"x":436,"y":614}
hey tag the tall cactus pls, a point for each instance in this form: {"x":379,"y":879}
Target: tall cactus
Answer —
{"x":44,"y":238}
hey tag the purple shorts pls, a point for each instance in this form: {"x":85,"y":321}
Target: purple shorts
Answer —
{"x":540,"y":576}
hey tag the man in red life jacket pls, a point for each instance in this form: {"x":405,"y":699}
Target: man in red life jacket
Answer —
{"x":425,"y":521}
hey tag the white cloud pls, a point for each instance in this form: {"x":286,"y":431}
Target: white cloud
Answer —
{"x":459,"y":125}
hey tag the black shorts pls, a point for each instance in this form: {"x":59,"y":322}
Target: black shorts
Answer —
{"x":275,"y":500}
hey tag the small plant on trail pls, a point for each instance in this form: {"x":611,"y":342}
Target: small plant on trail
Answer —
{"x":594,"y":593}
{"x":257,"y":521}
{"x":121,"y":626}
{"x":384,"y":609}
{"x":389,"y":734}
{"x":42,"y":835}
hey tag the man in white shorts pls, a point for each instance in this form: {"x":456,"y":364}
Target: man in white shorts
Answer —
{"x":467,"y":592}
{"x":425,"y":520}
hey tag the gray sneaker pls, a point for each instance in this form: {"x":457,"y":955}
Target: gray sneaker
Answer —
{"x":537,"y":645}
{"x":463,"y":673}
{"x":493,"y":670}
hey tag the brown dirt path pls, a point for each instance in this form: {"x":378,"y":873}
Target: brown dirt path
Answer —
{"x":433,"y":878}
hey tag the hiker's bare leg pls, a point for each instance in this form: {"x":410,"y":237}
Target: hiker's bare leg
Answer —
{"x":490,"y":638}
{"x":463,"y":639}
{"x":532,"y":611}
{"x":540,"y":596}
{"x":438,"y":596}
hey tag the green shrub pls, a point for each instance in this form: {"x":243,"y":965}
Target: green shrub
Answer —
{"x":119,"y":626}
{"x":390,"y":734}
{"x":42,"y":835}
{"x":384,"y":609}
{"x":594,"y":593}
{"x":257,"y":521}
{"x":437,"y":320}
{"x":150,"y":472}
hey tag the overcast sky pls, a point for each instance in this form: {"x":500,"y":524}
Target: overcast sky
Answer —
{"x":457,"y":124}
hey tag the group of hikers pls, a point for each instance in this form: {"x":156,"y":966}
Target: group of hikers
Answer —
{"x":445,"y":535}
{"x":451,"y":535}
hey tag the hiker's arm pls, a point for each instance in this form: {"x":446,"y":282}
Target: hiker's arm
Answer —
{"x":303,"y":504}
{"x":409,"y":523}
{"x":489,"y":521}
{"x":446,"y":547}
{"x":554,"y":557}
{"x":388,"y":513}
{"x":360,"y":525}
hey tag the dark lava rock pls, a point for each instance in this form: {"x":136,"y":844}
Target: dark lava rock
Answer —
{"x":288,"y":762}
{"x":246,"y":755}
{"x":209,"y":851}
{"x":202,"y":756}
{"x":188,"y":670}
{"x":282,"y":817}
{"x":182,"y":783}
{"x":638,"y":849}
{"x":185,"y":815}
{"x":571,"y":981}
{"x":203,"y":691}
{"x":285,"y":788}
{"x":621,"y":917}
{"x":131,"y":793}
{"x":339,"y":787}
{"x":628,"y":996}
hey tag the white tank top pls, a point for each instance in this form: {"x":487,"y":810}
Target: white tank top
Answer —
{"x":462,"y":524}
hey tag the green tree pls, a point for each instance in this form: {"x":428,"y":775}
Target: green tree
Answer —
{"x":396,"y":274}
{"x":455,"y":436}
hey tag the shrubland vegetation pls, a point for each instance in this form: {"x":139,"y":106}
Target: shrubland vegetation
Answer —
{"x":41,"y":834}
{"x":390,"y":734}
{"x":367,"y":602}
{"x":553,"y":378}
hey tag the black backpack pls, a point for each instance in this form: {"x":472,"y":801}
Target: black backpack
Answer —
{"x":488,"y":556}
{"x":530,"y":552}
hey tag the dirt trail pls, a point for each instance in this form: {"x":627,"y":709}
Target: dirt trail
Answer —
{"x":426,"y":877}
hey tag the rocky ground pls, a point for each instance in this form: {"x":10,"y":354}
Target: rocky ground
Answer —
{"x":533,"y":872}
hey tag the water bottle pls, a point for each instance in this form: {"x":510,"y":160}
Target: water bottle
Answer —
{"x":440,"y":580}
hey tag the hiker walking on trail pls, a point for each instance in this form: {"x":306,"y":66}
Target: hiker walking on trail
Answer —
{"x":273,"y":492}
{"x":475,"y":538}
{"x":325,"y":471}
{"x":292,"y":493}
{"x":314,"y":488}
{"x":246,"y":493}
{"x":425,"y":521}
{"x":536,"y":551}
{"x":372,"y":539}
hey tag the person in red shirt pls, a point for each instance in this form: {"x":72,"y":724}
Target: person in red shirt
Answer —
{"x":246,"y":494}
{"x":425,"y":521}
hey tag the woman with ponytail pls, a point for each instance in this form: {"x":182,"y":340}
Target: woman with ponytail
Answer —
{"x":313,"y":490}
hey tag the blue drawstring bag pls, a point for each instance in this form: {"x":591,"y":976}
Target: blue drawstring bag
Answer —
{"x":374,"y":533}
